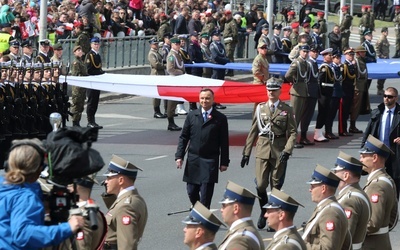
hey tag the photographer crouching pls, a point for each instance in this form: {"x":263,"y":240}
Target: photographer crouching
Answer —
{"x":22,"y":215}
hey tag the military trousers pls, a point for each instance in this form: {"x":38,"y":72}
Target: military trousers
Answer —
{"x":230,"y":51}
{"x":171,"y":106}
{"x":269,"y":171}
{"x":345,"y":41}
{"x":332,"y":111}
{"x":308,"y":115}
{"x":324,"y":103}
{"x":356,"y":107}
{"x":344,"y":112}
{"x":78,"y":102}
{"x":93,"y":96}
{"x":298,"y":104}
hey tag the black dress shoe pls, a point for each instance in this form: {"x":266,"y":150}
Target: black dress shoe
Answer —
{"x":355,"y":131}
{"x":306,"y":142}
{"x":298,"y":145}
{"x":262,"y":222}
{"x":159,"y":115}
{"x":94,"y":125}
{"x":220,"y":106}
{"x":174,"y":127}
{"x":331,"y":136}
{"x":345,"y":134}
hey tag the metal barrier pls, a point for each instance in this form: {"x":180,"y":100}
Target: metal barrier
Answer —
{"x":132,"y":51}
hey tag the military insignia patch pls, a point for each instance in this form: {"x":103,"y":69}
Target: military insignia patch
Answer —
{"x":80,"y":235}
{"x":126,"y":220}
{"x":375,"y":198}
{"x":330,"y":226}
{"x":348,"y":213}
{"x":171,"y":58}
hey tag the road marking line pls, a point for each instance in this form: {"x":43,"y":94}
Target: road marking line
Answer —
{"x":156,"y":158}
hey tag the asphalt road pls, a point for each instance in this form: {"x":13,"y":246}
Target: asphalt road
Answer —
{"x":131,"y":132}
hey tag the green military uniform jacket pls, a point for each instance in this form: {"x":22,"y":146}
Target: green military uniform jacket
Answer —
{"x":126,"y":220}
{"x":382,"y":47}
{"x":381,"y":191}
{"x":346,"y":24}
{"x":287,"y":239}
{"x":283,"y":126}
{"x":298,"y":75}
{"x":156,"y":62}
{"x":230,"y":33}
{"x":364,"y":23}
{"x":328,"y":227}
{"x":294,"y":38}
{"x":175,"y":64}
{"x":208,"y":28}
{"x":211,"y":246}
{"x":83,"y":40}
{"x":260,"y":69}
{"x":362,"y":75}
{"x":78,"y":67}
{"x":396,"y":21}
{"x":242,"y":236}
{"x":357,"y":207}
{"x":165,"y":28}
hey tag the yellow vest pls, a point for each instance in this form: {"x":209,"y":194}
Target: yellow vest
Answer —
{"x":4,"y":39}
{"x":52,"y":38}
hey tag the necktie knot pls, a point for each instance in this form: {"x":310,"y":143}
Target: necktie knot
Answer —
{"x":272,"y":108}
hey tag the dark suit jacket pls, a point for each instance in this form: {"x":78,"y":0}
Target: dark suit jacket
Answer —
{"x":373,"y":127}
{"x":208,"y":146}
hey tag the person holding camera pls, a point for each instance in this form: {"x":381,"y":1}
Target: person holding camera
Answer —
{"x":22,"y":215}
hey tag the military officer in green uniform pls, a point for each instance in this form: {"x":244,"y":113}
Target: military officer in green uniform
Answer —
{"x":381,"y":191}
{"x":207,"y":55}
{"x":157,"y":68}
{"x":265,"y":40}
{"x":396,"y":22}
{"x":345,"y":27}
{"x":260,"y":66}
{"x":352,"y":197}
{"x":237,"y":205}
{"x":209,"y":26}
{"x":281,"y":210}
{"x":298,"y":76}
{"x":327,"y":226}
{"x":83,"y":38}
{"x":303,"y":39}
{"x":230,"y":35}
{"x":274,"y":128}
{"x":201,"y":227}
{"x":382,"y":49}
{"x":127,"y":216}
{"x":175,"y":67}
{"x":78,"y":93}
{"x":294,"y":36}
{"x":364,"y":22}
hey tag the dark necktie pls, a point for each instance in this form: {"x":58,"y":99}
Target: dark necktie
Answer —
{"x":205,"y":116}
{"x":272,"y":108}
{"x":387,"y":130}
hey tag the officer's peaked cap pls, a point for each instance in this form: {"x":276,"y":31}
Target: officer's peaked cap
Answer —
{"x":323,"y":175}
{"x":119,"y":165}
{"x":347,"y":162}
{"x":375,"y":146}
{"x":274,"y":83}
{"x":236,"y":193}
{"x":279,"y":199}
{"x":200,"y":215}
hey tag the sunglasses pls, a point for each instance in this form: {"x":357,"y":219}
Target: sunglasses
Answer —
{"x":388,"y":96}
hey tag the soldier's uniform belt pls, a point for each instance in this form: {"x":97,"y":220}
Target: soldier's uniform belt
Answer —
{"x":324,"y":84}
{"x":276,"y":136}
{"x":382,"y":230}
{"x":110,"y":246}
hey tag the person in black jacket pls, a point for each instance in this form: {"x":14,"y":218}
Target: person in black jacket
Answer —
{"x":335,"y":39}
{"x":206,"y":132}
{"x":376,"y":127}
{"x":93,"y":64}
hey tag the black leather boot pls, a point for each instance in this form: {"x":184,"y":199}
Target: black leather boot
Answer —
{"x":172,"y":126}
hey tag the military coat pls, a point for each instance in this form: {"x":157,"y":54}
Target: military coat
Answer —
{"x":83,"y":40}
{"x":381,"y":191}
{"x":349,"y":78}
{"x":346,"y":24}
{"x":298,"y":75}
{"x":362,"y":75}
{"x":208,"y":28}
{"x":282,"y":125}
{"x":93,"y":63}
{"x":312,"y":82}
{"x":242,"y":235}
{"x":364,"y":22}
{"x":156,"y":62}
{"x":357,"y":207}
{"x":230,"y":32}
{"x":218,"y":53}
{"x":165,"y":28}
{"x":260,"y":69}
{"x":175,"y":64}
{"x":126,"y":220}
{"x":78,"y":67}
{"x":370,"y":56}
{"x":42,"y":58}
{"x":382,"y":47}
{"x":294,"y":37}
{"x":396,"y":22}
{"x":328,"y":226}
{"x":326,"y":79}
{"x":287,"y":239}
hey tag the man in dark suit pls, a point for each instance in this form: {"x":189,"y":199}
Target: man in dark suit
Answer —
{"x":378,"y":128}
{"x":207,"y":131}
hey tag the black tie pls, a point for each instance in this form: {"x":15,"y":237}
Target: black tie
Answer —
{"x":387,"y":130}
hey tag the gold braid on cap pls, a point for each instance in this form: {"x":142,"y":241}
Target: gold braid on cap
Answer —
{"x":97,"y":66}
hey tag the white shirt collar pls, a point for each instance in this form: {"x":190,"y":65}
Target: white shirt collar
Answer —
{"x":123,"y":191}
{"x":208,"y":112}
{"x":282,"y":231}
{"x":204,"y":246}
{"x":237,"y":222}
